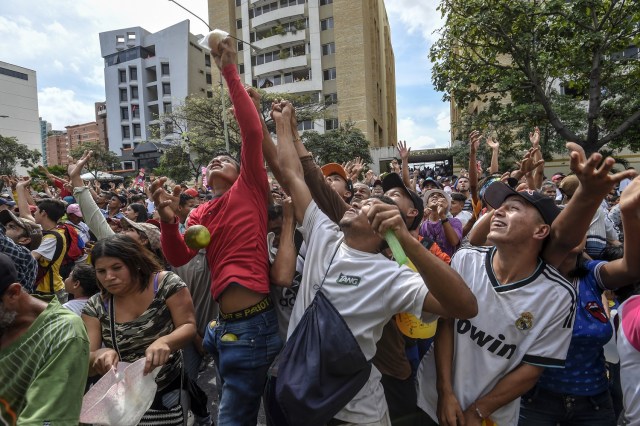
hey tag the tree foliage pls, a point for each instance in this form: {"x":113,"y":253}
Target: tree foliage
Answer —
{"x":102,"y":159}
{"x":201,"y":125}
{"x":14,"y":153}
{"x":564,"y":66}
{"x":338,"y":146}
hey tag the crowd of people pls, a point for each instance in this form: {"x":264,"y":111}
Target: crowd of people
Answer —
{"x":490,"y":297}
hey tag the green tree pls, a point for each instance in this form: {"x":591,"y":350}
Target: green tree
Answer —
{"x":338,"y":146}
{"x":14,"y":153}
{"x":561,"y":65}
{"x":102,"y":159}
{"x":200,"y":123}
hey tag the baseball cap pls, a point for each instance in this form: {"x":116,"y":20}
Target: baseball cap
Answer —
{"x":433,"y":181}
{"x":558,"y":176}
{"x":498,"y":192}
{"x":334,"y":169}
{"x":8,"y":273}
{"x":74,"y":209}
{"x":149,"y":230}
{"x":569,"y":185}
{"x":33,"y":230}
{"x":5,"y":202}
{"x":191,"y":192}
{"x":69,"y":199}
{"x":393,"y":180}
{"x":445,"y":194}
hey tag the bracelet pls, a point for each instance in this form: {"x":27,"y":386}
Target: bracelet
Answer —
{"x":445,"y":220}
{"x":478,"y":412}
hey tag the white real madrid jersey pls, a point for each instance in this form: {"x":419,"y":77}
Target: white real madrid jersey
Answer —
{"x":527,"y":321}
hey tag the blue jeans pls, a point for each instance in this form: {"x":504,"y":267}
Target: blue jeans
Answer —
{"x":540,"y":407}
{"x":243,"y":364}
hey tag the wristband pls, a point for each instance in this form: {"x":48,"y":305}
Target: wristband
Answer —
{"x":445,"y":220}
{"x":478,"y":412}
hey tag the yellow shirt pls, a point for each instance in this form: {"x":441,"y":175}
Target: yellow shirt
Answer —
{"x":47,"y":250}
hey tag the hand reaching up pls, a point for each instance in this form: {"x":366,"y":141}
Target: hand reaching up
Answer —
{"x":166,"y":204}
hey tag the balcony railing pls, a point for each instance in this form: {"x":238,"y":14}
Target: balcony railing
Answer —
{"x":278,"y":14}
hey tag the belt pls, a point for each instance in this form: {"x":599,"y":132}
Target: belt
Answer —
{"x":260,"y":307}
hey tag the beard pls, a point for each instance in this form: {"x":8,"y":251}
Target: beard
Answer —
{"x":7,"y":317}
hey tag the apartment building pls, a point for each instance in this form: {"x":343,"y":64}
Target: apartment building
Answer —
{"x":101,"y":120}
{"x":19,"y":107}
{"x":337,"y":51}
{"x":45,"y":128}
{"x":57,"y":148}
{"x":146,"y":74}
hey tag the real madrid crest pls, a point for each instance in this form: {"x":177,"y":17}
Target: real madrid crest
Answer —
{"x":525,"y":322}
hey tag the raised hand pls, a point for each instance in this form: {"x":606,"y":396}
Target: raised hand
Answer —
{"x":357,"y":167}
{"x":474,"y":140}
{"x":403,"y":151}
{"x":598,"y":181}
{"x":75,"y":169}
{"x":528,"y":163}
{"x":630,"y":199}
{"x":493,"y":143}
{"x":228,"y":53}
{"x":166,"y":204}
{"x":534,"y":138}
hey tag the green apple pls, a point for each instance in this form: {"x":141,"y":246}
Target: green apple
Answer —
{"x":197,"y":237}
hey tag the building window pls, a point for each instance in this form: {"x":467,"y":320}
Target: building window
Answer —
{"x":122,"y":76}
{"x":12,"y":73}
{"x":241,"y":69}
{"x":124,"y":113}
{"x":257,"y":11}
{"x":238,"y":3}
{"x":331,"y":124}
{"x":286,"y":3}
{"x":126,"y":146}
{"x":207,"y":60}
{"x":168,"y":128}
{"x":326,"y":24}
{"x":131,"y":36}
{"x":126,"y":133}
{"x":305,"y":125}
{"x":240,"y":46}
{"x":165,"y":69}
{"x":238,"y":23}
{"x":209,"y":94}
{"x":137,"y":132}
{"x":134,"y":93}
{"x":123,"y":95}
{"x":331,"y":98}
{"x":328,"y":49}
{"x":133,"y":73}
{"x":325,"y":2}
{"x":208,"y":78}
{"x":119,"y":39}
{"x":329,"y":74}
{"x":127,"y":165}
{"x":166,"y":88}
{"x":135,"y":111}
{"x":167,"y":108}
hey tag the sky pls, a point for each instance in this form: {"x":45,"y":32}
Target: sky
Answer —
{"x":59,"y":40}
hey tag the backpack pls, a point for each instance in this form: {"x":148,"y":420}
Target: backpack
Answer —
{"x":74,"y":251}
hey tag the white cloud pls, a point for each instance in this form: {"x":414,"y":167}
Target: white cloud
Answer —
{"x":418,"y":16}
{"x":62,"y":108}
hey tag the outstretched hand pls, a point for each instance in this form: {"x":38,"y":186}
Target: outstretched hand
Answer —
{"x":630,"y":200}
{"x":528,"y":163}
{"x":534,"y":138}
{"x":598,"y":181}
{"x":166,"y":204}
{"x":403,"y":150}
{"x":75,"y":169}
{"x":493,"y":143}
{"x":228,"y":53}
{"x":474,"y":141}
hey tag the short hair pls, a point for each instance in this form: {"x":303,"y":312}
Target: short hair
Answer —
{"x":184,"y":198}
{"x":86,"y":275}
{"x":55,"y":209}
{"x":141,"y":212}
{"x":141,"y":262}
{"x":227,"y":154}
{"x":457,"y":196}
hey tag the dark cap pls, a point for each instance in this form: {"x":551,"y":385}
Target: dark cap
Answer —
{"x":437,"y":184}
{"x":498,"y":192}
{"x":33,"y":230}
{"x":393,"y":180}
{"x":8,"y":273}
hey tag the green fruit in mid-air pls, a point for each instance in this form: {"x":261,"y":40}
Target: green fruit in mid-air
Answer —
{"x":197,"y":237}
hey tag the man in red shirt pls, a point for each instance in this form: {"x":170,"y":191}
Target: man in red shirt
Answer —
{"x":245,"y":339}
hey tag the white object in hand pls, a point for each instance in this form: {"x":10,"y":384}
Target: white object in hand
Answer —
{"x":213,"y":39}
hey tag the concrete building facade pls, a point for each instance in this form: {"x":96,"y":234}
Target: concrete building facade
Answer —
{"x":57,"y":148}
{"x":101,"y":119}
{"x":337,"y":51}
{"x":146,"y":74}
{"x":45,"y":128}
{"x":19,"y":106}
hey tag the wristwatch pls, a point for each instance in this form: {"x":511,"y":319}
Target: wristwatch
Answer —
{"x":445,"y":220}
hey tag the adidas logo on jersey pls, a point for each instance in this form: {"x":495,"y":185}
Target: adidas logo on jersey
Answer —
{"x":348,"y":280}
{"x":481,"y":338}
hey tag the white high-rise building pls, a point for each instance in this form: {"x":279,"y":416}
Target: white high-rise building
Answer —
{"x":19,"y":106}
{"x":146,"y":74}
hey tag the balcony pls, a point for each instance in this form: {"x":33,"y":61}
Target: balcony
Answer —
{"x":296,"y":87}
{"x":281,"y":64}
{"x":268,"y":18}
{"x":281,"y":40}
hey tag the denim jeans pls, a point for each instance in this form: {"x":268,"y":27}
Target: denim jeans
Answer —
{"x":243,"y":364}
{"x":540,"y":407}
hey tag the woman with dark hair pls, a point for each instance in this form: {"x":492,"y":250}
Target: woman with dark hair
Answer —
{"x":142,"y":312}
{"x":136,"y":212}
{"x":579,"y":393}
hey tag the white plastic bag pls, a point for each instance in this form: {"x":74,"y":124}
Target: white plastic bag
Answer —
{"x":212,"y":39}
{"x":120,"y":397}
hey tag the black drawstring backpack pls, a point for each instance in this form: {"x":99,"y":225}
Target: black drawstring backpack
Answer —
{"x":320,"y":369}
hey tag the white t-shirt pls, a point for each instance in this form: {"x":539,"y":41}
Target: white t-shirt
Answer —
{"x":527,"y":321}
{"x":366,"y":288}
{"x":629,"y":350}
{"x":464,"y":217}
{"x":76,"y":305}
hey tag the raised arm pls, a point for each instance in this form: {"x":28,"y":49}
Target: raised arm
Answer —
{"x":404,"y":156}
{"x":22,"y":188}
{"x":569,"y":228}
{"x":495,"y":152}
{"x":292,"y":175}
{"x":474,"y":143}
{"x":283,"y":268}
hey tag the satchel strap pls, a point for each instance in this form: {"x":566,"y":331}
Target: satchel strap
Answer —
{"x":112,"y":326}
{"x":329,"y":266}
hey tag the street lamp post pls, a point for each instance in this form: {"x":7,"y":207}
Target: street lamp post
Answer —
{"x":224,"y":106}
